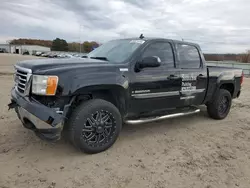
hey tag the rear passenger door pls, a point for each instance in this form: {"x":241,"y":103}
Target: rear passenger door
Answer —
{"x":193,"y":74}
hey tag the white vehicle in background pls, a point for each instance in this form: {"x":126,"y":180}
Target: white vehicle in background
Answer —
{"x":61,"y":55}
{"x":69,"y":56}
{"x":45,"y":54}
{"x":39,"y":53}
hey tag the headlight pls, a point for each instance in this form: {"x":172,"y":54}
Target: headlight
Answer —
{"x":44,"y":85}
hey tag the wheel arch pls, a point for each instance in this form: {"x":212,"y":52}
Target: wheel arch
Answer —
{"x":228,"y":86}
{"x":116,"y":94}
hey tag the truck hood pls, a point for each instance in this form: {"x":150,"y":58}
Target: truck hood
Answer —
{"x":44,"y":65}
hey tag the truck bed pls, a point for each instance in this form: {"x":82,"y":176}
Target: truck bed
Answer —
{"x":217,"y":71}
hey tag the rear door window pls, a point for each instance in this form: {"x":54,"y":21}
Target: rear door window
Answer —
{"x":189,"y":56}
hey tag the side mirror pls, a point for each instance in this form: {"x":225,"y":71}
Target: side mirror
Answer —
{"x":153,"y":61}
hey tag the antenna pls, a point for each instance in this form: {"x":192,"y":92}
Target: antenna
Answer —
{"x":141,"y":36}
{"x":179,"y":36}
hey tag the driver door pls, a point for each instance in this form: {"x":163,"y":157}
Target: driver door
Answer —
{"x":156,"y":88}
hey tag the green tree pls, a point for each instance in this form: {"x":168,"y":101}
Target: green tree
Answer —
{"x":87,"y":46}
{"x":59,"y":45}
{"x":94,"y":44}
{"x":74,"y":47}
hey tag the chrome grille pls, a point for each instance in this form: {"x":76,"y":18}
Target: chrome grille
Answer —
{"x":22,"y":79}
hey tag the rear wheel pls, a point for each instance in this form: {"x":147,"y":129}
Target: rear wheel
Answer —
{"x":220,"y":106}
{"x":94,"y":126}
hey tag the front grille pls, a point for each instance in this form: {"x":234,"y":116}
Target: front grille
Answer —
{"x":22,"y":77}
{"x":21,"y":80}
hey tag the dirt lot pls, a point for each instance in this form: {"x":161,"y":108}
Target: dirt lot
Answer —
{"x":193,"y":151}
{"x":8,"y":60}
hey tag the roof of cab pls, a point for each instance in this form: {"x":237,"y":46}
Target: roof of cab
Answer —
{"x":158,"y":38}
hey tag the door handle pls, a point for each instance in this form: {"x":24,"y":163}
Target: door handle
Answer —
{"x":201,"y":76}
{"x":173,"y":77}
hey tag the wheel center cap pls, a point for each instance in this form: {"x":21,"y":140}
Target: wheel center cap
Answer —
{"x":99,"y":129}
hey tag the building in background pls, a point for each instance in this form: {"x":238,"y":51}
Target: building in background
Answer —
{"x":21,"y":49}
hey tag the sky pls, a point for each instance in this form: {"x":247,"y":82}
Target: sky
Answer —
{"x":218,"y":26}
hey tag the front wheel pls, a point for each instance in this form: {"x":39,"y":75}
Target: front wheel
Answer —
{"x":94,"y":126}
{"x":220,"y":106}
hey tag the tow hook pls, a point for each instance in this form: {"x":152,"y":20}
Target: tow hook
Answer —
{"x":12,"y":105}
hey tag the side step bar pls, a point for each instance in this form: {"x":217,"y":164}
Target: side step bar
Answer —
{"x":148,"y":120}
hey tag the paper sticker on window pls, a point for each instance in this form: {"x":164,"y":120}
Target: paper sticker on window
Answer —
{"x":137,"y":41}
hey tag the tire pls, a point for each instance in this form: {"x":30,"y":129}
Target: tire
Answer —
{"x":218,"y":108}
{"x":92,"y":131}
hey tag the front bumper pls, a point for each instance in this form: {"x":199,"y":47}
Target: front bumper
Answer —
{"x":46,"y":122}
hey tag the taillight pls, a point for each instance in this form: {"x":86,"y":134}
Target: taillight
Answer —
{"x":241,"y":79}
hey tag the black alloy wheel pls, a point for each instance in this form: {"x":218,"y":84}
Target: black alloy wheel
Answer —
{"x":223,"y":105}
{"x":99,"y":128}
{"x":220,"y":105}
{"x":94,"y":125}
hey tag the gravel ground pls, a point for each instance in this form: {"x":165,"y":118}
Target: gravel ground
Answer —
{"x":193,"y":151}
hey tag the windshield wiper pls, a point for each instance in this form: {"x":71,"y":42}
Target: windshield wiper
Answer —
{"x":101,"y":58}
{"x":84,"y":56}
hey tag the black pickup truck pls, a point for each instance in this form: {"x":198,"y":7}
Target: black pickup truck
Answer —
{"x":130,"y":81}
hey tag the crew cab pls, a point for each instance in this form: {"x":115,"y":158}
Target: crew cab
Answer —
{"x":132,"y":81}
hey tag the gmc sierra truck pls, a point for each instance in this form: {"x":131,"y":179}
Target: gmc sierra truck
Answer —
{"x":126,"y":81}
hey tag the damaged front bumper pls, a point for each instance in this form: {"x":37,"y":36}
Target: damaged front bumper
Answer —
{"x":46,"y":122}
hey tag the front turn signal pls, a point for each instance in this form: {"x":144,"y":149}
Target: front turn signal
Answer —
{"x":51,"y":85}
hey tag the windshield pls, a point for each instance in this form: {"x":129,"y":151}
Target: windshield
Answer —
{"x":116,"y":51}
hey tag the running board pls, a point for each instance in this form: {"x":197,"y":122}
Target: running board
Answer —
{"x":148,"y":120}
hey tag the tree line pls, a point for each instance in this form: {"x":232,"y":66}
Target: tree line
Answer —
{"x":242,"y":57}
{"x":58,"y":44}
